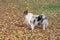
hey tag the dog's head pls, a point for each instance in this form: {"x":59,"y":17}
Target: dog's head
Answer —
{"x":25,"y":12}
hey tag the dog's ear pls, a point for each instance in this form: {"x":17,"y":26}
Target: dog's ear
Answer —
{"x":25,"y":12}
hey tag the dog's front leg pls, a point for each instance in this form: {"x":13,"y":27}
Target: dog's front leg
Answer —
{"x":32,"y":26}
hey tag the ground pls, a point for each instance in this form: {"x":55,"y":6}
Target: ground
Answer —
{"x":11,"y":21}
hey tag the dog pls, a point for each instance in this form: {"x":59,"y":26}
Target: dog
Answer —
{"x":33,"y":20}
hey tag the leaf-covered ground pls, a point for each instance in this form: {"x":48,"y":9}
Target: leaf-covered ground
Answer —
{"x":11,"y":21}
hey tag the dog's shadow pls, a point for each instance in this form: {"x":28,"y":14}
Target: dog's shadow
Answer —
{"x":25,"y":26}
{"x":39,"y":26}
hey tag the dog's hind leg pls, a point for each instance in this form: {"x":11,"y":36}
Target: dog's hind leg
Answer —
{"x":43,"y":26}
{"x":46,"y":24}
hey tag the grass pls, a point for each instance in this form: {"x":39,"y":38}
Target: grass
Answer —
{"x":11,"y":27}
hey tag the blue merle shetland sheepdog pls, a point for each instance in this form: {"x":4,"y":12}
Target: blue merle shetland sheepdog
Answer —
{"x":33,"y":20}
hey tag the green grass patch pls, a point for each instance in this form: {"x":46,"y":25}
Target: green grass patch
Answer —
{"x":48,"y":7}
